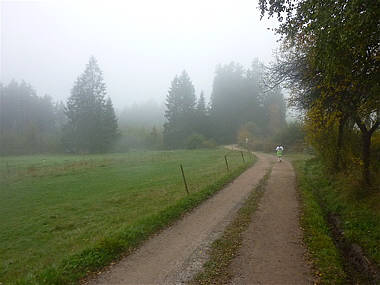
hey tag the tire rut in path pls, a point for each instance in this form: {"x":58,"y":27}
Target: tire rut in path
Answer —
{"x":272,"y":251}
{"x":177,"y":253}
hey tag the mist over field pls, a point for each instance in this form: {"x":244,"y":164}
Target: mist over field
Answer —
{"x":140,"y":45}
{"x":96,"y":76}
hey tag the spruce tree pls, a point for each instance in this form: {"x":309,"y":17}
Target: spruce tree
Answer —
{"x":227,"y":101}
{"x":110,"y":128}
{"x":202,"y":118}
{"x":180,"y":111}
{"x":91,"y":125}
{"x":237,"y":98}
{"x":201,"y":105}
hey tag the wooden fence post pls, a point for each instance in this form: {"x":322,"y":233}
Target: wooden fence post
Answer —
{"x":184,"y":179}
{"x":225,"y":159}
{"x":242,"y":156}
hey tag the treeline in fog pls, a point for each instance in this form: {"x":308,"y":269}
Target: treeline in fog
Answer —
{"x":141,"y":126}
{"x":240,"y":108}
{"x":29,"y":123}
{"x":85,"y":124}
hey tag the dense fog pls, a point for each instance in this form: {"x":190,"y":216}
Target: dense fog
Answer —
{"x":140,"y":45}
{"x":125,"y":58}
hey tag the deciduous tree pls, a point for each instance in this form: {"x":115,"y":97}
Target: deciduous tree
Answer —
{"x":338,"y":43}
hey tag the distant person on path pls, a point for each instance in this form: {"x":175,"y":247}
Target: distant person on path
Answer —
{"x":279,"y":150}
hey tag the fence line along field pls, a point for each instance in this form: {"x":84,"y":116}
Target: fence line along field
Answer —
{"x":52,"y":207}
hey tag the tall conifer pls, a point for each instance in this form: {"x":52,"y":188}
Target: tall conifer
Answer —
{"x":92,"y":124}
{"x":180,"y":111}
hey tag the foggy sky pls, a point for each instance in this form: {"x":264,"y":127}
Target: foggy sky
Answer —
{"x":140,"y":45}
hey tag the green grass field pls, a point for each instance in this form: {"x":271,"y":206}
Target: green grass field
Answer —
{"x":56,"y":207}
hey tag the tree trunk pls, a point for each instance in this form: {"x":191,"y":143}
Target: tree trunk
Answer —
{"x":366,"y":140}
{"x":338,"y":156}
{"x":366,"y":148}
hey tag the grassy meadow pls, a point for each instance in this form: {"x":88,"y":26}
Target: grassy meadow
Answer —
{"x":54,"y":207}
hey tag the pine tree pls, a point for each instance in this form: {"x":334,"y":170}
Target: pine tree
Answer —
{"x":227,"y":101}
{"x":180,"y":112}
{"x":172,"y":104}
{"x":201,"y":105}
{"x":91,"y":125}
{"x":237,"y":98}
{"x":110,"y":128}
{"x":202,"y":119}
{"x":186,"y":93}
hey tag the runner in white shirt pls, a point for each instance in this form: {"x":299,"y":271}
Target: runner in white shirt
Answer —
{"x":279,"y":150}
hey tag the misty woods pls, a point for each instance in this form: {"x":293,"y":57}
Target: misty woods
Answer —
{"x":240,"y":107}
{"x":28,"y":123}
{"x":33,"y":124}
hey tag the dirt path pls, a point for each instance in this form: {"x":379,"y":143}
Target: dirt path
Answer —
{"x":177,"y":253}
{"x":272,"y":250}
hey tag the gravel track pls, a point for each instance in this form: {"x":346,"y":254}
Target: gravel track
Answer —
{"x":272,"y":251}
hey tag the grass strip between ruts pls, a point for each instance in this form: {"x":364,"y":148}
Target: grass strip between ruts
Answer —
{"x":78,"y":266}
{"x":224,"y":249}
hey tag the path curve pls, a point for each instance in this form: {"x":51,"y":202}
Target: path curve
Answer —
{"x":177,"y":253}
{"x":272,"y":251}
